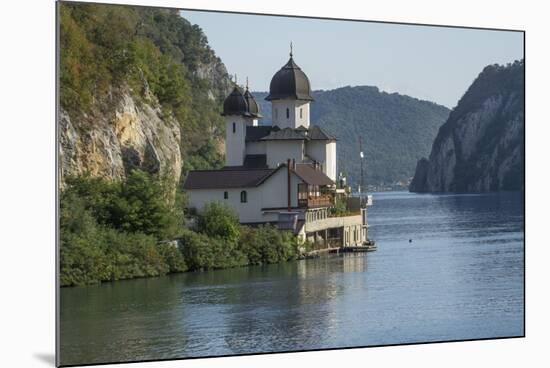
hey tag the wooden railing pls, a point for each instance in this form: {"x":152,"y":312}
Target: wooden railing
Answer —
{"x":320,"y":201}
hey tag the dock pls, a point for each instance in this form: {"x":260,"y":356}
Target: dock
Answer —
{"x":367,"y":246}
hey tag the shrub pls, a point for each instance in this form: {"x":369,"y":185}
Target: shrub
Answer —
{"x":132,"y":255}
{"x":218,"y":220}
{"x":141,"y":204}
{"x":172,"y":257}
{"x":202,"y":252}
{"x":110,"y":230}
{"x":267,"y":244}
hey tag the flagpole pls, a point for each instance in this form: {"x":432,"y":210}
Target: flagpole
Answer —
{"x":361,"y":156}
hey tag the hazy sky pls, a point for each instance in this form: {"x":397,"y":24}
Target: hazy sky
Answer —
{"x":432,"y":63}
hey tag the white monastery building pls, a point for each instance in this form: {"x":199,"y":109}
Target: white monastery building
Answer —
{"x":284,"y":173}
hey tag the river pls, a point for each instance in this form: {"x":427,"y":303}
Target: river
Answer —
{"x":460,"y":277}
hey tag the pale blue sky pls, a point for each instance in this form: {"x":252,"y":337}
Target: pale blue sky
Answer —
{"x":432,"y":63}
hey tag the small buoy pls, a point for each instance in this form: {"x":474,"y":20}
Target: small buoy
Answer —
{"x":410,"y":240}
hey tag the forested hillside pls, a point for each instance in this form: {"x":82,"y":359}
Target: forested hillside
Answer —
{"x":396,"y":130}
{"x":139,"y":88}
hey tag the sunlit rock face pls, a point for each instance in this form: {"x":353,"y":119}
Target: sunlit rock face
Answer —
{"x":134,"y":135}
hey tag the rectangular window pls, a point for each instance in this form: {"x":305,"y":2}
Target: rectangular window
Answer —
{"x":234,"y":127}
{"x":300,"y":112}
{"x":225,"y":195}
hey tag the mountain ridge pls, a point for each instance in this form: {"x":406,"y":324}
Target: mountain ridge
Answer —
{"x":396,"y":129}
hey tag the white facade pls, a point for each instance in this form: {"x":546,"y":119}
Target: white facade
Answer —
{"x":262,"y":202}
{"x":256,"y":148}
{"x":290,"y":113}
{"x":235,"y":135}
{"x":278,"y":152}
{"x":323,"y":152}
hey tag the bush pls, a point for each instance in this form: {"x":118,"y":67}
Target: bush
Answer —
{"x":202,"y":252}
{"x":267,"y":244}
{"x":81,"y":257}
{"x":132,"y":255}
{"x":218,"y":220}
{"x":110,"y":230}
{"x":141,"y":204}
{"x":172,"y":257}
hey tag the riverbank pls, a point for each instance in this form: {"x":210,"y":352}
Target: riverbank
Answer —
{"x":114,"y":231}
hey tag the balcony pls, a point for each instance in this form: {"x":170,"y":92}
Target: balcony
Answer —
{"x":316,"y":201}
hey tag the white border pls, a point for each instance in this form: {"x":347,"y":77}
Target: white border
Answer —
{"x":27,"y":152}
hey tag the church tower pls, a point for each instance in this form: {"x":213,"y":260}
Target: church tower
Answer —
{"x":240,"y":111}
{"x":290,"y":95}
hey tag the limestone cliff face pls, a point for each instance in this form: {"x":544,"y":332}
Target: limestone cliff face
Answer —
{"x":481,"y":147}
{"x":140,"y":88}
{"x":134,"y":135}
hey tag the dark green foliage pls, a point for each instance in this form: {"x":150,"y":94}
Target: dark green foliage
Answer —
{"x":216,"y":244}
{"x":202,"y":252}
{"x":110,"y":230}
{"x":81,"y":255}
{"x":206,"y":157}
{"x":145,"y":207}
{"x":132,"y":255}
{"x":218,"y":220}
{"x":266,"y":244}
{"x":396,"y":130}
{"x":106,"y":49}
{"x":340,"y":208}
{"x":173,"y":257}
{"x":140,"y":204}
{"x":221,"y":242}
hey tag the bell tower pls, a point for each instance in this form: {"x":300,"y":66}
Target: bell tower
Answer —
{"x":239,"y":110}
{"x":290,"y":96}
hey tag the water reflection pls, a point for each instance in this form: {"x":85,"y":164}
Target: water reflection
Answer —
{"x":461,"y":277}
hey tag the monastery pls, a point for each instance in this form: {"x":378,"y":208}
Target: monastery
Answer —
{"x":284,"y":173}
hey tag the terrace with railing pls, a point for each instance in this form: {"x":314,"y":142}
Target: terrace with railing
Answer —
{"x":316,"y":201}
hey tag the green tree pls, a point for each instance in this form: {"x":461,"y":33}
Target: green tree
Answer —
{"x":218,"y":220}
{"x":267,"y":244}
{"x":144,"y":206}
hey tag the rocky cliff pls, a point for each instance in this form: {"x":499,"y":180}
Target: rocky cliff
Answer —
{"x":481,"y":146}
{"x":109,"y":145}
{"x":139,"y":88}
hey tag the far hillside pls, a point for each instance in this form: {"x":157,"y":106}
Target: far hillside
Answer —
{"x":396,"y":130}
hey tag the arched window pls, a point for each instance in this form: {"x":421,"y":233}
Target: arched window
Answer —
{"x":287,"y":113}
{"x":243,"y":196}
{"x":234,"y":127}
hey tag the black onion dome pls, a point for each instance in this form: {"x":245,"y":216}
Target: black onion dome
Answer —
{"x":235,"y":103}
{"x":290,"y":82}
{"x":253,"y":107}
